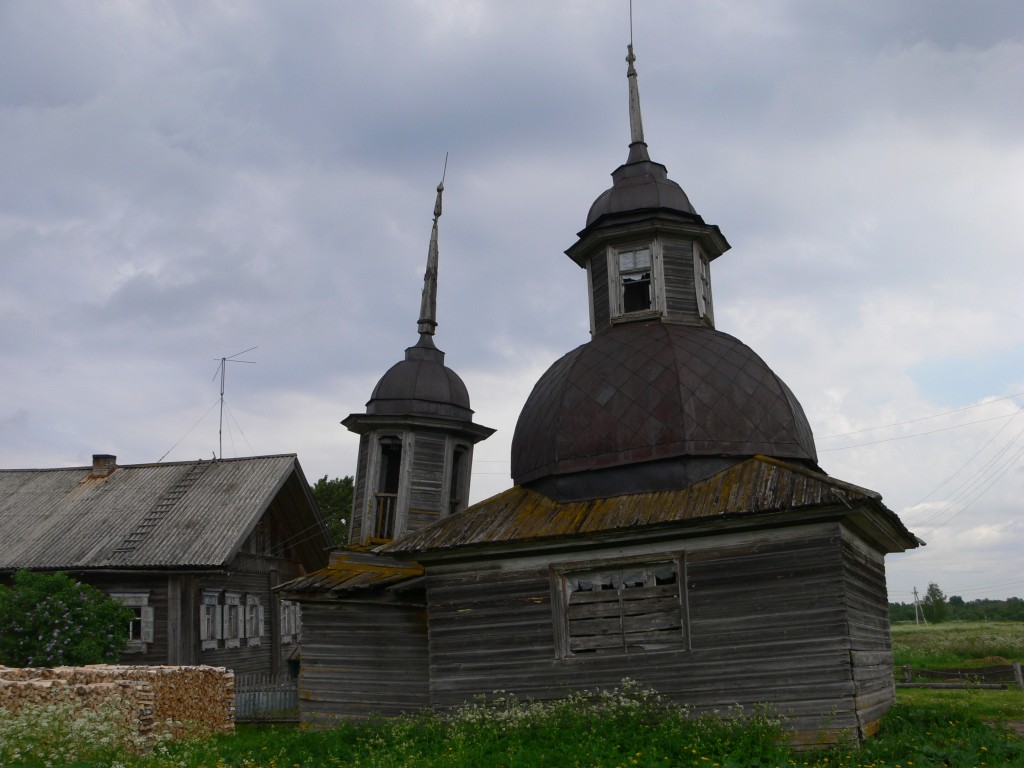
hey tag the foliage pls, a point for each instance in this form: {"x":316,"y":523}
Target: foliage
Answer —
{"x":64,"y":733}
{"x":954,"y":644}
{"x":334,"y":498}
{"x":630,"y":726}
{"x":957,"y":609}
{"x":934,"y":605}
{"x":48,"y":620}
{"x":997,"y":706}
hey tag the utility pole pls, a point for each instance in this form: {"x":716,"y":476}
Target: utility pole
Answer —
{"x":918,"y":611}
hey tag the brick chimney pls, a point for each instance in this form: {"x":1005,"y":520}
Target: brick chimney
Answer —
{"x":103,"y":464}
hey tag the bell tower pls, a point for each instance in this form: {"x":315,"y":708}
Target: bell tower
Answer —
{"x":646,"y":250}
{"x":416,"y":438}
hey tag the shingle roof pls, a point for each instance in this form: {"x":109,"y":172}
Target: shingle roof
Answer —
{"x":184,"y":514}
{"x":351,"y":572}
{"x":757,"y":486}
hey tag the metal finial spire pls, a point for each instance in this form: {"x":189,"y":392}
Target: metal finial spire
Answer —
{"x":428,"y":304}
{"x":637,"y":146}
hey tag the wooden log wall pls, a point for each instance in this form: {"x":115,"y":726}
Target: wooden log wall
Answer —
{"x":176,"y":700}
{"x":360,"y":659}
{"x":768,"y":623}
{"x":867,"y":602}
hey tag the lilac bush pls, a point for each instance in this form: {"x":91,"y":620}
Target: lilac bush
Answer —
{"x":49,"y":620}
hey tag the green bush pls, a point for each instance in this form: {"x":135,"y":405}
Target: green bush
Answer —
{"x":48,"y":620}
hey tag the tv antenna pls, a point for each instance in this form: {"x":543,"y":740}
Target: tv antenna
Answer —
{"x":221,"y":369}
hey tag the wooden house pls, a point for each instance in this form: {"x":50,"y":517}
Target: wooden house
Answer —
{"x":195,"y":548}
{"x":668,"y":522}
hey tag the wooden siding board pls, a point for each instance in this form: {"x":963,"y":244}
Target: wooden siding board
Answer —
{"x":680,"y":288}
{"x":427,"y":473}
{"x":362,"y":659}
{"x":599,"y":274}
{"x":359,"y":490}
{"x":768,"y":623}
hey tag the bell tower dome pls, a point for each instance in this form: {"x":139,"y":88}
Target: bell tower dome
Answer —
{"x":416,"y":438}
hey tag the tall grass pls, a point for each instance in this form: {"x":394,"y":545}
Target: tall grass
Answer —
{"x":954,"y":643}
{"x":627,"y":727}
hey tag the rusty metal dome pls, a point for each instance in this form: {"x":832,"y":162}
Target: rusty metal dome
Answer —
{"x":421,"y":385}
{"x":647,"y":392}
{"x":640,"y":185}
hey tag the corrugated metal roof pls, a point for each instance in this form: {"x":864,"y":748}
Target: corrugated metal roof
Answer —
{"x":755,"y":486}
{"x":351,"y":571}
{"x":134,"y":517}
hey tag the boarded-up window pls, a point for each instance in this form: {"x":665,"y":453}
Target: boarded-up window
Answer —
{"x":624,"y":608}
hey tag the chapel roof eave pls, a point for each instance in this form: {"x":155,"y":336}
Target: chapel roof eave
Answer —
{"x":362,"y":423}
{"x":759,"y":492}
{"x":618,"y":227}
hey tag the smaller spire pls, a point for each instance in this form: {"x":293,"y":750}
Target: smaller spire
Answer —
{"x":637,"y":146}
{"x":428,"y":304}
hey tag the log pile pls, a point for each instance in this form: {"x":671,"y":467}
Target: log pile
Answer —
{"x":176,"y":700}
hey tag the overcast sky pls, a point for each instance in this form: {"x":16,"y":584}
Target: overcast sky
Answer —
{"x":183,"y":181}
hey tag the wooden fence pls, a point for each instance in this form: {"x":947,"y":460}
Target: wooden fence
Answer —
{"x":977,"y":677}
{"x":262,"y":697}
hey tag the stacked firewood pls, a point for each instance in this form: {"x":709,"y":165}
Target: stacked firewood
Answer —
{"x":178,"y":700}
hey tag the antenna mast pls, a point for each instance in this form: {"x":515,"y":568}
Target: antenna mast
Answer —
{"x":221,"y":369}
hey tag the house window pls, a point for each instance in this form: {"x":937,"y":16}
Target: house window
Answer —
{"x":702,"y":275}
{"x":291,"y":621}
{"x":210,"y":621}
{"x":253,"y":620}
{"x":140,"y":627}
{"x":635,"y":288}
{"x":621,"y":608}
{"x":233,"y":625}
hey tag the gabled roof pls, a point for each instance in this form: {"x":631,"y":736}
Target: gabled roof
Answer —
{"x":174,"y":515}
{"x":755,"y":487}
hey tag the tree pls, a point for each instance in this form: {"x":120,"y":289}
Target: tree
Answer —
{"x":334,"y":498}
{"x":49,"y":620}
{"x":934,"y":604}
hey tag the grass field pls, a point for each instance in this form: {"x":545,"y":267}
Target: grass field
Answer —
{"x":957,"y":644}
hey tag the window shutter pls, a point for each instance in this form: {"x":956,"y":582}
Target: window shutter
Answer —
{"x":262,"y":621}
{"x":147,"y":624}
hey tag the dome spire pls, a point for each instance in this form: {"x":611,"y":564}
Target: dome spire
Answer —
{"x":428,"y":304}
{"x":637,"y":145}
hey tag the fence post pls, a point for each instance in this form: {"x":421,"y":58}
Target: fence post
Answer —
{"x":1017,"y":674}
{"x":908,"y":674}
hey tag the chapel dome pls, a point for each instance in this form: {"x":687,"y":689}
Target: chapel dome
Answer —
{"x":650,"y":391}
{"x":421,"y":385}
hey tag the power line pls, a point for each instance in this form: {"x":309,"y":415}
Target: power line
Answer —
{"x":918,"y":434}
{"x":922,"y":418}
